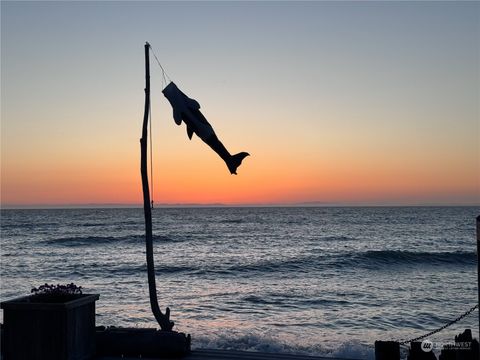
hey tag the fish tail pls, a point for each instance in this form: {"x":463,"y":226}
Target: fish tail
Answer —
{"x":235,"y":160}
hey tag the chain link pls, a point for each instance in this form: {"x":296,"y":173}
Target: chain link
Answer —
{"x":468,"y":312}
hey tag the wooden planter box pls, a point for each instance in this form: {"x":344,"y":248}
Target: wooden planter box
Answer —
{"x":49,"y":330}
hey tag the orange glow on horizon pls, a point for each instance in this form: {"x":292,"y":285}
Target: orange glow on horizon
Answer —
{"x":203,"y":178}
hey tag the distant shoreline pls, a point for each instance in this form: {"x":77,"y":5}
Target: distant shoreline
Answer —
{"x":219,"y":205}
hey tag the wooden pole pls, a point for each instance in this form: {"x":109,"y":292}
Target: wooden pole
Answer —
{"x":478,"y":270}
{"x":162,"y":319}
{"x":387,"y":350}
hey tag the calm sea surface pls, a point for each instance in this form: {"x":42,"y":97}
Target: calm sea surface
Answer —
{"x":325,"y":281}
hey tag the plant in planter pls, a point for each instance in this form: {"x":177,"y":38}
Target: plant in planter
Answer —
{"x":54,"y":322}
{"x":55,"y":293}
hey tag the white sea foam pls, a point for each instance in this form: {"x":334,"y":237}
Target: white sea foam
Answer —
{"x":270,"y":344}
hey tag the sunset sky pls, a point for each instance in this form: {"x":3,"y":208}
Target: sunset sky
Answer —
{"x":369,"y":103}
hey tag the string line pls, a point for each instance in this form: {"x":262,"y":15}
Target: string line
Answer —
{"x":164,"y":73}
{"x":164,"y":83}
{"x":151,"y":154}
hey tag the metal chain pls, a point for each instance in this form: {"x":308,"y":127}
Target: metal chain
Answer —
{"x":440,"y":328}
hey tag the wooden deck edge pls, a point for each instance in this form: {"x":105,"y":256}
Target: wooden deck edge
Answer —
{"x":213,"y":354}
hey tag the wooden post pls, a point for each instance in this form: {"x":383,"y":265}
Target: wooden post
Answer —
{"x":478,"y":270}
{"x":162,"y":319}
{"x":387,"y":350}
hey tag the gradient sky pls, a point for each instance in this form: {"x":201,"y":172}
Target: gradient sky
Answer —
{"x":345,"y":103}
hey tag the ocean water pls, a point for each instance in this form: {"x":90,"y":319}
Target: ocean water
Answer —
{"x":312,"y":280}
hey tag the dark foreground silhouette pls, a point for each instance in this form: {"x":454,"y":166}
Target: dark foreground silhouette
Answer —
{"x":188,"y":110}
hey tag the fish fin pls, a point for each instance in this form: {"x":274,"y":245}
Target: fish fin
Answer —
{"x":189,"y":132}
{"x":177,"y":116}
{"x":192,"y":104}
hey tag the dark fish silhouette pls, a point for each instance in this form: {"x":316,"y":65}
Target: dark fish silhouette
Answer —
{"x":188,"y":111}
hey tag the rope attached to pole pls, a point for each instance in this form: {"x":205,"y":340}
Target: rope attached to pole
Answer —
{"x":164,"y":73}
{"x":164,"y":83}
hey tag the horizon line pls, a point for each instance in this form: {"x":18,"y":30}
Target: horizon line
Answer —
{"x":223,"y":205}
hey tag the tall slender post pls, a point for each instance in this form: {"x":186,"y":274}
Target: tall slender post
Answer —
{"x":478,"y":270}
{"x":162,"y":319}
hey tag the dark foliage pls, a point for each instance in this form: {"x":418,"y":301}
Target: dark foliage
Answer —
{"x":56,"y":293}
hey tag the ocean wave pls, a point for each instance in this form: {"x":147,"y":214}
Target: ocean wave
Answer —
{"x":369,"y":260}
{"x":123,"y":270}
{"x":25,"y":226}
{"x":103,"y":240}
{"x":265,"y":343}
{"x":338,"y":238}
{"x":158,"y":238}
{"x":308,"y":262}
{"x":81,"y":241}
{"x":133,"y":269}
{"x":261,"y":267}
{"x":283,"y":299}
{"x":91,"y":224}
{"x":232,"y":221}
{"x":398,"y":257}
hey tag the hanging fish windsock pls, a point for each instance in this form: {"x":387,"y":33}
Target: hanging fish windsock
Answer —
{"x":188,"y":111}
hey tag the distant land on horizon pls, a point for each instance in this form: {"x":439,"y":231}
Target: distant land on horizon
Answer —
{"x":216,"y":205}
